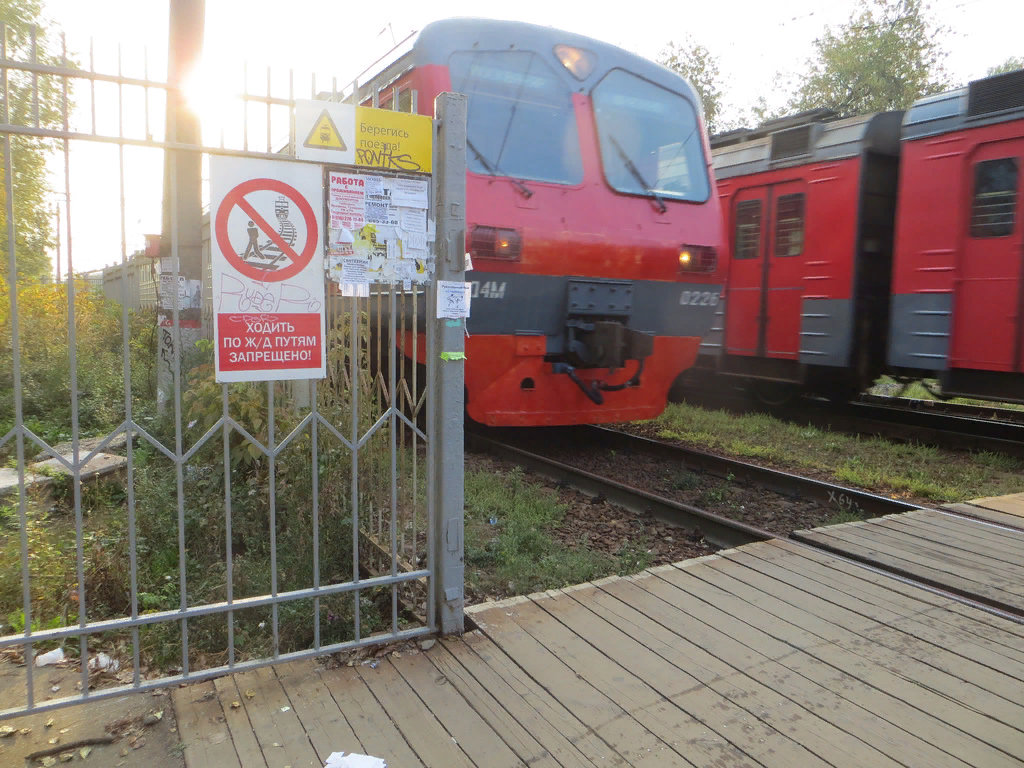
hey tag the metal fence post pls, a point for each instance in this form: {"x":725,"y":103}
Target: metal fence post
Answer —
{"x":446,"y":433}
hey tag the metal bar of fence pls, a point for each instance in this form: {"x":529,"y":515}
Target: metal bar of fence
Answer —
{"x":127,"y":373}
{"x":12,"y":272}
{"x":220,"y":671}
{"x":208,"y":609}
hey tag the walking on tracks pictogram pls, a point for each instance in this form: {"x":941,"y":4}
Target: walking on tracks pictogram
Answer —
{"x":255,"y":247}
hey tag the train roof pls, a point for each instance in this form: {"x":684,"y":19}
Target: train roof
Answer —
{"x":993,"y":99}
{"x":804,"y":138}
{"x":439,"y":39}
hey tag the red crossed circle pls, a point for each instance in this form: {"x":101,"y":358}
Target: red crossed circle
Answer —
{"x":237,"y":197}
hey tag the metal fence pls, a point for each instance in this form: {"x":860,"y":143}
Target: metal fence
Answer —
{"x":240,"y":524}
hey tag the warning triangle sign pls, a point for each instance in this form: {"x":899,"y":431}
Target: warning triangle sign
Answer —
{"x":325,"y":134}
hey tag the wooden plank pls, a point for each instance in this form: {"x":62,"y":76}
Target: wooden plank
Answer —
{"x":323,"y":721}
{"x":565,"y":736}
{"x":1011,"y":504}
{"x":832,"y":695}
{"x":782,"y":712}
{"x":688,"y":737}
{"x":960,"y":533}
{"x":895,"y":558}
{"x":932,"y":618}
{"x":719,"y":714}
{"x":237,"y":719}
{"x":924,"y":553}
{"x":938,"y":555}
{"x":278,"y":730}
{"x":503,"y":709}
{"x":940,"y":720}
{"x":418,"y":725}
{"x":202,"y":727}
{"x":953,"y":673}
{"x":476,"y":736}
{"x":985,"y":513}
{"x":370,"y":723}
{"x":614,"y":725}
{"x":1002,"y":629}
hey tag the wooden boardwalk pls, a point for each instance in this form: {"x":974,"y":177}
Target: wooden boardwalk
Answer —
{"x":1006,"y":510}
{"x":948,"y":551}
{"x":768,"y":655}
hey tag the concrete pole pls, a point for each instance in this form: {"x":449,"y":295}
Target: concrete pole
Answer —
{"x":447,"y":388}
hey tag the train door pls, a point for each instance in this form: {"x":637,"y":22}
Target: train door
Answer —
{"x":988,"y":308}
{"x":783,"y":285}
{"x":765,"y":289}
{"x":743,"y":308}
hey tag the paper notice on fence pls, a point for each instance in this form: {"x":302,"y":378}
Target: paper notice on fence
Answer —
{"x":414,"y":220}
{"x":347,"y":201}
{"x":409,"y":193}
{"x":453,"y":299}
{"x":354,"y":278}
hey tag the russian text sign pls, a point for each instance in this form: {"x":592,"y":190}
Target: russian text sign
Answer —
{"x":344,"y":134}
{"x":268,"y":267}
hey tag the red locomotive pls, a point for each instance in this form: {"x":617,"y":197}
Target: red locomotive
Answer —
{"x":591,"y":219}
{"x":889,"y":243}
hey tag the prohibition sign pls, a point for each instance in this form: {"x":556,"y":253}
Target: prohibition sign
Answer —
{"x":237,"y":197}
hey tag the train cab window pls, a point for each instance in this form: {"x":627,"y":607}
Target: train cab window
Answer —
{"x":789,"y":225}
{"x":995,"y":197}
{"x":521,"y":122}
{"x":748,"y":229}
{"x":650,"y":139}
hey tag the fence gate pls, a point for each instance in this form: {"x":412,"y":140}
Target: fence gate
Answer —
{"x":267,"y":466}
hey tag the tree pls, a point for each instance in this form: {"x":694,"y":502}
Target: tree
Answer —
{"x":33,"y":213}
{"x":1011,"y":64}
{"x":886,"y":56}
{"x":699,"y":67}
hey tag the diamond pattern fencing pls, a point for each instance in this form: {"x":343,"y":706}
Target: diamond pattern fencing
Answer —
{"x":148,"y":541}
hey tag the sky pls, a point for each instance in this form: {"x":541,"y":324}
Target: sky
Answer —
{"x":754,"y":41}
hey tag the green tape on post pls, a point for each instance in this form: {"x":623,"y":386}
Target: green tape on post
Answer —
{"x":449,"y":356}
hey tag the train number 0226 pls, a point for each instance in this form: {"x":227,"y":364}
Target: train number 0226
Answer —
{"x":488,"y":290}
{"x":699,"y":298}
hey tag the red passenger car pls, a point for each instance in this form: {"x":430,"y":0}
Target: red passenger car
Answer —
{"x":592,"y":223}
{"x":891,"y":243}
{"x":808,"y":204}
{"x":958,"y":271}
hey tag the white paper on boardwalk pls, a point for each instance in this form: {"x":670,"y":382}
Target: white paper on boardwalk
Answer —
{"x":351,"y":760}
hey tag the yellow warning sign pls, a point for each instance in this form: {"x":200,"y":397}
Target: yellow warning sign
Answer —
{"x":325,"y":134}
{"x":399,"y":141}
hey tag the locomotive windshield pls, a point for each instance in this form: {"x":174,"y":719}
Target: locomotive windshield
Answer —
{"x":521,"y":121}
{"x":650,"y":139}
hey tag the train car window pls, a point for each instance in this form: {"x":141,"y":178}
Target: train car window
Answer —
{"x":995,"y":197}
{"x":789,"y":225}
{"x":748,"y":229}
{"x":650,"y":139}
{"x":521,"y":118}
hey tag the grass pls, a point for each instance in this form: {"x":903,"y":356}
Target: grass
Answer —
{"x":907,"y":470}
{"x":511,"y":548}
{"x":888,"y":387}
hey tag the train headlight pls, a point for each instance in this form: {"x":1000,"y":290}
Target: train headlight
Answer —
{"x":700,"y":259}
{"x":495,"y":243}
{"x":579,"y":62}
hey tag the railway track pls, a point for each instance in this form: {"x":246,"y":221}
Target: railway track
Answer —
{"x":950,"y":425}
{"x":720,"y":531}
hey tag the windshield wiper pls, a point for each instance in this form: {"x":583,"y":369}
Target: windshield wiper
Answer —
{"x":635,"y":173}
{"x":523,"y":189}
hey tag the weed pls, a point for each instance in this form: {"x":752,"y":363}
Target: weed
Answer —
{"x":517,"y":553}
{"x":685,"y":480}
{"x":921,"y":471}
{"x":843,"y":516}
